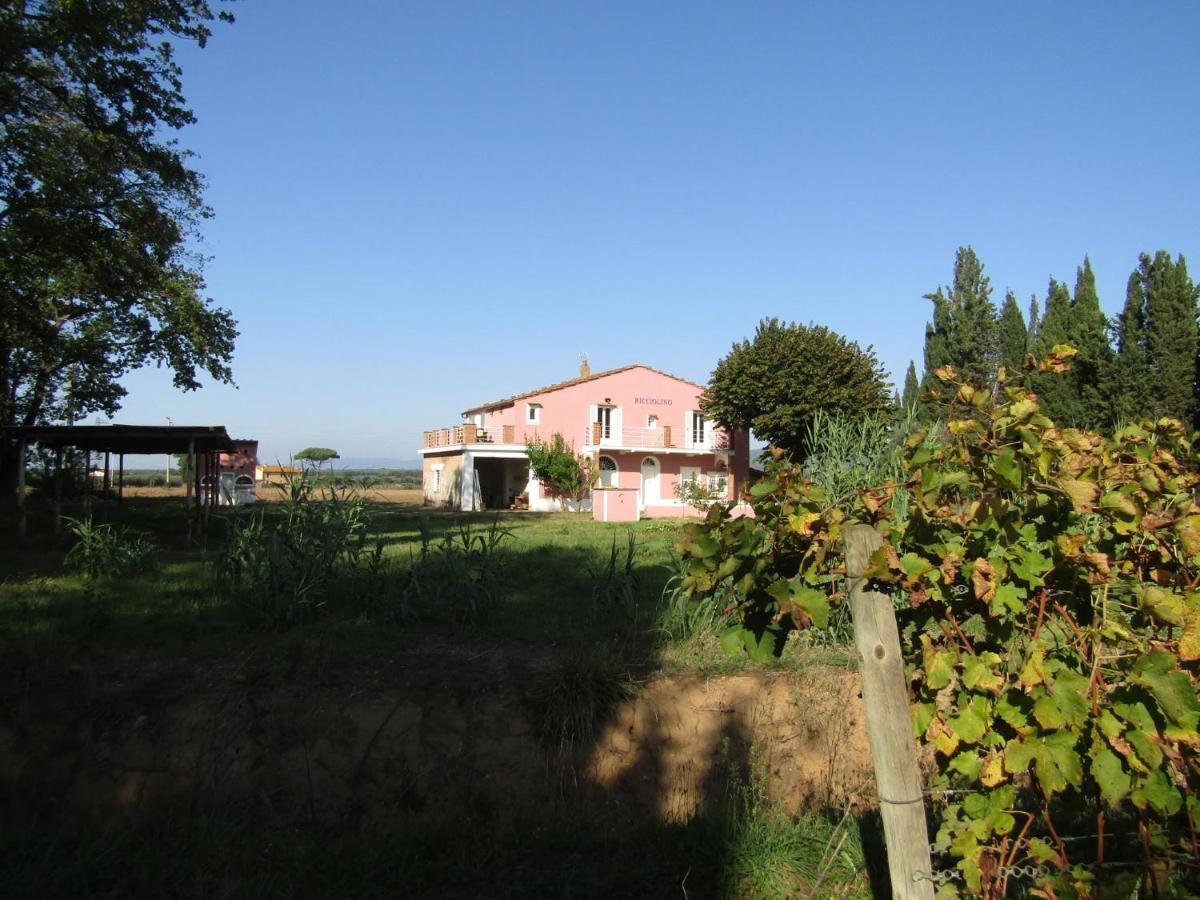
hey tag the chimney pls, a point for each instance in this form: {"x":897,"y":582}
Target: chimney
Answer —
{"x":584,"y":369}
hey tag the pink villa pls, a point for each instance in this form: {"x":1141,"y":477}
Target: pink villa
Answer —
{"x":643,"y":428}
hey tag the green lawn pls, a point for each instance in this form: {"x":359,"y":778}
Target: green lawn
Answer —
{"x":553,"y":591}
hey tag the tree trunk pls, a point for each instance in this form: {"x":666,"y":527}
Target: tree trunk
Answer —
{"x":8,"y":477}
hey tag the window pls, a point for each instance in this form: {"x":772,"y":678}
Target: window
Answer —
{"x":718,"y":483}
{"x":436,"y":481}
{"x":533,"y":414}
{"x":608,"y":471}
{"x":651,"y":421}
{"x":696,"y":425}
{"x":689,"y":474}
{"x":604,"y":420}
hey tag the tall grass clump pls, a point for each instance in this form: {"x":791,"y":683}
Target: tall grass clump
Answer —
{"x":769,"y":854}
{"x":571,"y":700}
{"x":463,"y":575}
{"x":614,"y":585}
{"x":282,"y":569}
{"x":683,"y":617}
{"x":105,"y":551}
{"x":846,"y":455}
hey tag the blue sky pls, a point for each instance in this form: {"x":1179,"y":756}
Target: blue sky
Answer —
{"x":420,"y":207}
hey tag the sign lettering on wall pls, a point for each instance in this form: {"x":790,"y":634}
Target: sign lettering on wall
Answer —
{"x":652,"y":401}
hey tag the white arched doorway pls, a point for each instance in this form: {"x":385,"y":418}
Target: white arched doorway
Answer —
{"x":609,"y":474}
{"x":650,"y":481}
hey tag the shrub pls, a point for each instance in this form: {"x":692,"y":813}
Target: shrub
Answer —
{"x":556,"y":465}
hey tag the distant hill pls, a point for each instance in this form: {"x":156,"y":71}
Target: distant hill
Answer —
{"x":375,"y":462}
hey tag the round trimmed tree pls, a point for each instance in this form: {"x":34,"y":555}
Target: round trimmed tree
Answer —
{"x":775,"y":383}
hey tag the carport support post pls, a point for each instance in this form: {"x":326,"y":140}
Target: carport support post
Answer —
{"x":195,"y":464}
{"x":58,"y":489}
{"x":121,"y":478}
{"x":21,"y":446}
{"x":889,"y":724}
{"x":187,"y":483}
{"x":87,"y":481}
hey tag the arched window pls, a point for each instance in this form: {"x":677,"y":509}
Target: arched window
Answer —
{"x":608,"y":471}
{"x":244,"y":481}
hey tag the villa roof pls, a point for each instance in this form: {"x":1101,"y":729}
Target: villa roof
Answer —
{"x":508,"y":401}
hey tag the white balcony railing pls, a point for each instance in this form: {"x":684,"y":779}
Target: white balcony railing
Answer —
{"x":664,"y":437}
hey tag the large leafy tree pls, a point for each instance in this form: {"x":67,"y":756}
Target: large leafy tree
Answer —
{"x":776,"y":382}
{"x":317,"y":456}
{"x":98,"y":206}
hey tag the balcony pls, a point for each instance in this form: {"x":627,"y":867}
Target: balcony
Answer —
{"x":663,"y":438}
{"x":468,"y":434}
{"x":666,"y":438}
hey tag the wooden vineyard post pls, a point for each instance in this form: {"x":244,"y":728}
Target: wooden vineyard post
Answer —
{"x":889,"y":725}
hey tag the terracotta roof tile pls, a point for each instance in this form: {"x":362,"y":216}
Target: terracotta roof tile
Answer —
{"x":571,"y":383}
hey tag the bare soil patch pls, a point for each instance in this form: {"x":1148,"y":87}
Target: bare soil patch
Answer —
{"x":453,"y":730}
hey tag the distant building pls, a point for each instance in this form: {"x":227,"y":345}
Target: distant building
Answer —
{"x":643,"y":428}
{"x":275,"y":474}
{"x":235,"y":473}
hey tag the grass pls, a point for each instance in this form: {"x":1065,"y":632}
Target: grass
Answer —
{"x":590,"y":603}
{"x":554,"y":559}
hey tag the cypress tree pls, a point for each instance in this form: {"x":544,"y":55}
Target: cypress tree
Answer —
{"x":963,"y":330}
{"x":1014,"y":336}
{"x":1089,"y":335}
{"x":912,"y":388}
{"x":1057,"y":391}
{"x":975,"y":334}
{"x":1034,"y":323}
{"x":1171,"y":335}
{"x":1130,"y":381}
{"x":938,"y":335}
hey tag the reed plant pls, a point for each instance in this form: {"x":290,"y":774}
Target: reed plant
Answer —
{"x":107,"y":551}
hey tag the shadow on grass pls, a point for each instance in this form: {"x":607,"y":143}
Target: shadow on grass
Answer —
{"x":85,"y":663}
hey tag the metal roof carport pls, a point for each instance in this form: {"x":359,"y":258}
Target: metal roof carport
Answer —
{"x":195,"y":441}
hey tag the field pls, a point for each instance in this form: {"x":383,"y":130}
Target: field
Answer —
{"x":494,"y":706}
